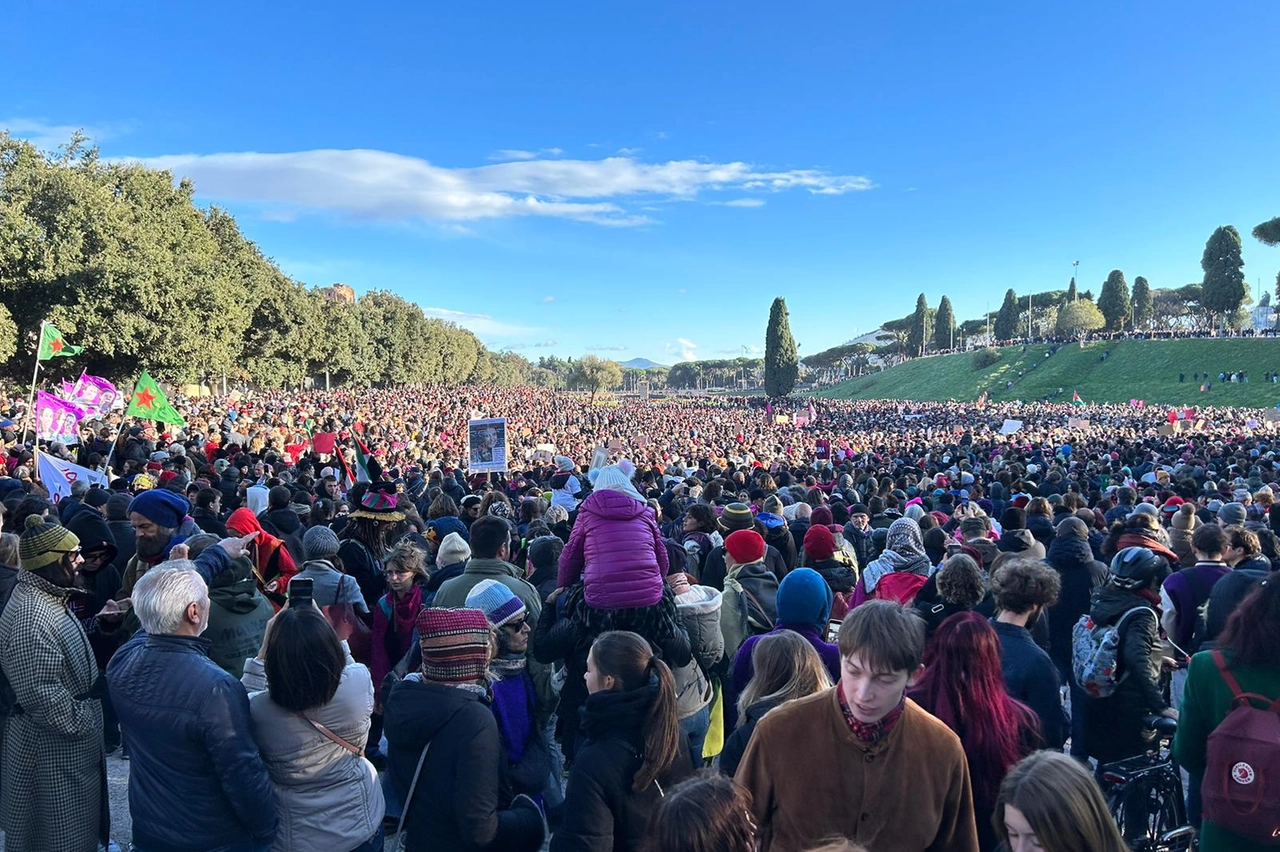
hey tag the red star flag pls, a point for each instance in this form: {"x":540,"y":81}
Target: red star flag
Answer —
{"x":52,"y":344}
{"x":149,"y":402}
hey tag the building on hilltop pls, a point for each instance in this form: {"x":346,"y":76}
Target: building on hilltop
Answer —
{"x":339,"y":293}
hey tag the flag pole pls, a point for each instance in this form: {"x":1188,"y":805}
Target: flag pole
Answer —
{"x":31,"y":401}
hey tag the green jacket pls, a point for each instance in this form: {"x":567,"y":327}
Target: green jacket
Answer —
{"x":1204,"y":705}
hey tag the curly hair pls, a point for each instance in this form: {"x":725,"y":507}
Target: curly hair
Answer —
{"x":1020,"y":584}
{"x":960,"y":581}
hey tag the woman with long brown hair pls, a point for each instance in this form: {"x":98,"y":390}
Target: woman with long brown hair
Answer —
{"x":707,"y":813}
{"x":633,"y":750}
{"x":1050,"y":802}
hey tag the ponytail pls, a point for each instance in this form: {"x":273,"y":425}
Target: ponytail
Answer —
{"x":629,"y":658}
{"x":661,"y":728}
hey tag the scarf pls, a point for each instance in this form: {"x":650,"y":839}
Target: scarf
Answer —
{"x":891,"y":562}
{"x":508,"y":666}
{"x":871,"y":733}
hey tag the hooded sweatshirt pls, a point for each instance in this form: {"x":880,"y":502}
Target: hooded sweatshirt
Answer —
{"x":238,"y":616}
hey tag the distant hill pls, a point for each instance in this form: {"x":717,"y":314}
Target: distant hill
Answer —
{"x":639,"y":364}
{"x":1135,"y":369}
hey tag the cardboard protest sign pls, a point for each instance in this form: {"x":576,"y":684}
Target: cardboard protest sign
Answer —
{"x":1271,"y":415}
{"x":1077,"y":422}
{"x":487,"y":445}
{"x":1010,"y":426}
{"x":615,"y":445}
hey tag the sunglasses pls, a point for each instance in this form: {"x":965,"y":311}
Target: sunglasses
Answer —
{"x":517,"y":626}
{"x":75,"y":551}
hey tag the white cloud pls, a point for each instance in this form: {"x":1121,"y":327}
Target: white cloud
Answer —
{"x":542,"y":344}
{"x":608,"y":348}
{"x":628,"y":152}
{"x":49,"y":137}
{"x":518,"y":154}
{"x":482,"y":324}
{"x":749,"y":352}
{"x":382,"y":186}
{"x":546,"y":300}
{"x":686,"y":349}
{"x":741,"y":202}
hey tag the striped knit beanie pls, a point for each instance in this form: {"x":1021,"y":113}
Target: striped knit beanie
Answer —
{"x":499,"y":604}
{"x":455,"y":645}
{"x":43,"y":543}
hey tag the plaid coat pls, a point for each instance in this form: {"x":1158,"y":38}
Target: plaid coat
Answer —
{"x":53,"y":759}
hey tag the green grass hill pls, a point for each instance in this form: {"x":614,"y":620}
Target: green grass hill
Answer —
{"x":1135,"y":369}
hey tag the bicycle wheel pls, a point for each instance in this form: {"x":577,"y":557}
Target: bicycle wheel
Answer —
{"x":1132,"y":808}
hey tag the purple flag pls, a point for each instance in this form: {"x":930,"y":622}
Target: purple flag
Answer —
{"x":94,"y":395}
{"x":57,"y":419}
{"x":68,"y":389}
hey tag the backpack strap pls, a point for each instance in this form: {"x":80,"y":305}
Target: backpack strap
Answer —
{"x":1239,"y":696}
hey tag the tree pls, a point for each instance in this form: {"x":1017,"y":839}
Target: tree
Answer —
{"x":590,"y":372}
{"x":781,"y":363}
{"x":1223,"y":265}
{"x":1076,"y":319}
{"x":944,"y":325}
{"x":1268,"y":233}
{"x":8,"y":335}
{"x":1143,"y":303}
{"x":1114,"y":300}
{"x":1072,"y":293}
{"x":1006,"y":327}
{"x":917,"y":338}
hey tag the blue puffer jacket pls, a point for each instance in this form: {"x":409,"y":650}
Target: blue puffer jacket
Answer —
{"x":196,"y":779}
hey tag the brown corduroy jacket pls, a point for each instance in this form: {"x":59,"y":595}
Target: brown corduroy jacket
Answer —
{"x":811,"y":780}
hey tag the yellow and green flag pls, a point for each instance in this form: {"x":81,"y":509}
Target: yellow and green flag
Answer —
{"x":149,"y":402}
{"x":53,"y":345}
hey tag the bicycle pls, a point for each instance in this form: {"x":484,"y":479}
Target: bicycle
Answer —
{"x":1145,"y":795}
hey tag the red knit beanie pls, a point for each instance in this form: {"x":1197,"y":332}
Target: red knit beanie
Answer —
{"x":819,"y":543}
{"x":744,"y":547}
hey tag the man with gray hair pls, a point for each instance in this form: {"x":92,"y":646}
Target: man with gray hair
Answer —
{"x":196,"y":781}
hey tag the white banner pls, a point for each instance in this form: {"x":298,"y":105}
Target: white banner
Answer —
{"x":57,"y":475}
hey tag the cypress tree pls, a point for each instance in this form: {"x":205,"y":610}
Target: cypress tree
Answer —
{"x":944,"y":325}
{"x":781,"y":364}
{"x":1006,"y":327}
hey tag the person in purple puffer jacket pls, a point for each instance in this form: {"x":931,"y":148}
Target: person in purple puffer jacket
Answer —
{"x":615,"y":547}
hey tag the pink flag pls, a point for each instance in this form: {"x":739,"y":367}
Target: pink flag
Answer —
{"x":57,"y":419}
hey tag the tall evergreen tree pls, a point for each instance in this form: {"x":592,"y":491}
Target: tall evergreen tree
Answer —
{"x":1223,"y":265}
{"x":1144,"y":305}
{"x":944,"y":325}
{"x":1113,"y":301}
{"x":916,"y":339}
{"x":781,"y":363}
{"x":1072,"y":292}
{"x":1006,"y":327}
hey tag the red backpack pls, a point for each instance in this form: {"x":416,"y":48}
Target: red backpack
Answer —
{"x":1241,"y":788}
{"x":900,"y":586}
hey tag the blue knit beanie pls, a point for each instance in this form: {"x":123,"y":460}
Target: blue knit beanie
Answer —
{"x":804,"y":599}
{"x":163,"y":508}
{"x":496,"y":601}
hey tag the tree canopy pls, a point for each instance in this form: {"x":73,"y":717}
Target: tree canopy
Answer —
{"x":1114,"y":300}
{"x":944,"y":325}
{"x":1006,"y":327}
{"x":1223,"y":265}
{"x":1076,"y":319}
{"x":781,"y":364}
{"x":1143,"y":302}
{"x":1268,"y":233}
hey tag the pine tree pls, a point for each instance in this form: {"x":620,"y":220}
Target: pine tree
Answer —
{"x":1223,"y":264}
{"x":1144,"y":305}
{"x":1113,"y":301}
{"x":781,"y":364}
{"x":1006,"y":327}
{"x":1072,"y":292}
{"x":944,"y":325}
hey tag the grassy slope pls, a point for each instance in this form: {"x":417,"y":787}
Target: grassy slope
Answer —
{"x":1136,"y":369}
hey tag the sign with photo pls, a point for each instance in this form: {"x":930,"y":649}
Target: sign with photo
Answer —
{"x":487,"y":445}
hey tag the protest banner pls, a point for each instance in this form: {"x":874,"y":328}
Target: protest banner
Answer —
{"x":58,"y":475}
{"x":544,"y":453}
{"x":94,"y":395}
{"x":324,"y":442}
{"x":822,"y":450}
{"x":487,"y":445}
{"x":1077,"y":423}
{"x":1166,"y":430}
{"x":615,"y":445}
{"x":1010,"y":426}
{"x":56,"y":419}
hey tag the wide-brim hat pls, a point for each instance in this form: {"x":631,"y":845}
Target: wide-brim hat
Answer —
{"x":379,"y":505}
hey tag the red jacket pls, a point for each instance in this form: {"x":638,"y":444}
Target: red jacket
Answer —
{"x":273,"y":566}
{"x":617,"y":550}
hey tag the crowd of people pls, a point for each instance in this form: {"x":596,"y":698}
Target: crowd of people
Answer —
{"x":678,"y":624}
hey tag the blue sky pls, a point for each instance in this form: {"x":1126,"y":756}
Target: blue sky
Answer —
{"x":578,"y":177}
